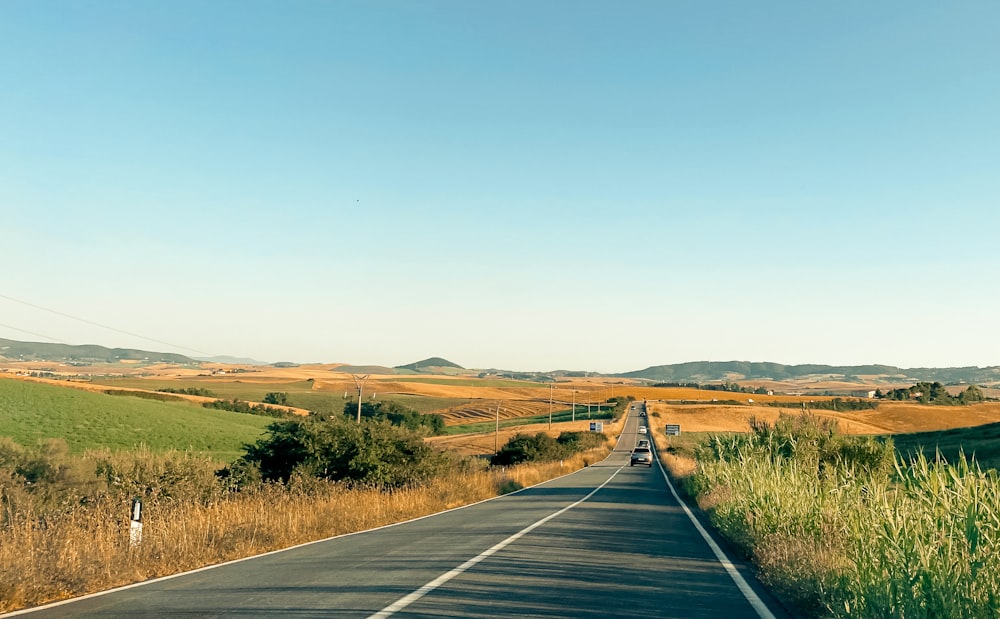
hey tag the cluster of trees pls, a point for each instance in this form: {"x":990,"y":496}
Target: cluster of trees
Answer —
{"x":933,"y":393}
{"x":836,"y":404}
{"x":145,"y":395}
{"x":189,"y":391}
{"x":723,"y":386}
{"x":396,"y":414}
{"x":239,"y":406}
{"x":543,"y":448}
{"x":276,"y":397}
{"x":373,"y":453}
{"x":620,"y":404}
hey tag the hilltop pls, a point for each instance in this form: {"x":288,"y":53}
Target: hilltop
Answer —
{"x":431,"y":364}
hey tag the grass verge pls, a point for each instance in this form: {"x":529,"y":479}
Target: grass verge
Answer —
{"x":56,"y":550}
{"x":843,"y":527}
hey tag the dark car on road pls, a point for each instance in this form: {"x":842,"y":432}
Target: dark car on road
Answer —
{"x":641,"y":455}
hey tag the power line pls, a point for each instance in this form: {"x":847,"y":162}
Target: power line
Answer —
{"x":48,"y":337}
{"x":96,"y":324}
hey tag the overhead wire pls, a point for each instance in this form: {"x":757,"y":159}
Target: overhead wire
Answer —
{"x":48,"y":337}
{"x":91,"y":322}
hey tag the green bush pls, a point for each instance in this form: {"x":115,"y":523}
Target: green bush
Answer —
{"x":397,"y":414}
{"x":543,"y":448}
{"x":158,"y":395}
{"x":581,"y":441}
{"x":239,"y":406}
{"x":276,"y":397}
{"x":370,"y":453}
{"x":527,"y":448}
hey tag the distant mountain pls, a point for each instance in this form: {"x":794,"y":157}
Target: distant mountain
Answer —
{"x":87,"y":353}
{"x":232,"y":360}
{"x":426,"y":364}
{"x":707,"y":371}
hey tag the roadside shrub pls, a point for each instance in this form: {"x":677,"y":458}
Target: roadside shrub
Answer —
{"x":528,"y":448}
{"x":581,"y":441}
{"x":169,"y":476}
{"x":44,"y":478}
{"x":371,"y":453}
{"x":543,"y":448}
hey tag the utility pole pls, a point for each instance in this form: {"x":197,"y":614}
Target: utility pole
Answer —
{"x":574,"y":405}
{"x":359,"y":381}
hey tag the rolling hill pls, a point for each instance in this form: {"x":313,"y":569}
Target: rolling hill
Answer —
{"x":708,"y":371}
{"x":86,"y":353}
{"x":430,"y":365}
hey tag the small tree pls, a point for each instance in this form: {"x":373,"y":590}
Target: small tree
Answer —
{"x":276,"y":397}
{"x":971,"y":395}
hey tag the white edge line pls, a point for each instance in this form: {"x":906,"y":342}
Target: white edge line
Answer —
{"x":410,"y":598}
{"x":25,"y":611}
{"x":758,"y":605}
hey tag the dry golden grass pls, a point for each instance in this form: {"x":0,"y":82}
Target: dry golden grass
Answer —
{"x":888,"y":418}
{"x":86,"y":549}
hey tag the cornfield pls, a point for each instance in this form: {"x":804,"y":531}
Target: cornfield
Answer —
{"x":919,"y":538}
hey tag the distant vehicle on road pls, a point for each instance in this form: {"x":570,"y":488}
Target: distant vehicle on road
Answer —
{"x":641,"y":455}
{"x":642,"y":443}
{"x":642,"y":430}
{"x":642,"y":413}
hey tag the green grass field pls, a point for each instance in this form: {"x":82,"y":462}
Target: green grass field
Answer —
{"x":32,"y":411}
{"x":983,"y":442}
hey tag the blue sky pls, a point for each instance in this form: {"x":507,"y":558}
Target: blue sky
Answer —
{"x":528,"y":185}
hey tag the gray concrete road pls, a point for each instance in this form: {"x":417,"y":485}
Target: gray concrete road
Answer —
{"x":607,"y":541}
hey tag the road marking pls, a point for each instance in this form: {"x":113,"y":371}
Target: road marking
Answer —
{"x":758,"y":605}
{"x":406,"y":600}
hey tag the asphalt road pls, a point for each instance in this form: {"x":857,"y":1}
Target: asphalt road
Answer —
{"x":607,"y":541}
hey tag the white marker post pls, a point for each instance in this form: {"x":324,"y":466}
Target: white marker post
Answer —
{"x":135,"y":527}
